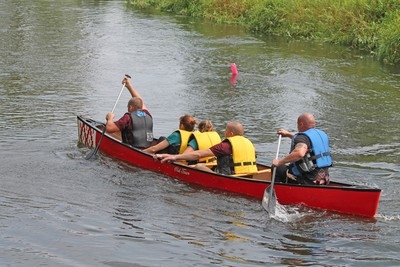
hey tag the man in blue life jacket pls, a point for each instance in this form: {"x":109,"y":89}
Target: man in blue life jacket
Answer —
{"x":309,"y":159}
{"x":136,"y":126}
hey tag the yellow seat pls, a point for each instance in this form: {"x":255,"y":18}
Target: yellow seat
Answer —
{"x":254,"y":173}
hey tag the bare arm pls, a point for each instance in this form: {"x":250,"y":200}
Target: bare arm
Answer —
{"x":160,"y":146}
{"x":188,"y":150}
{"x":132,"y":90}
{"x":298,"y":152}
{"x":111,"y":127}
{"x":285,"y":133}
{"x":190,"y":156}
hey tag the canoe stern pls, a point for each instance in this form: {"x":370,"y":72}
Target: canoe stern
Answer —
{"x":86,"y":133}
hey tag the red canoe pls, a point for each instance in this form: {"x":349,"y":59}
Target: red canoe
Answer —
{"x":338,"y":197}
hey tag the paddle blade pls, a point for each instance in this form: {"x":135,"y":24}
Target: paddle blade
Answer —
{"x":269,"y":200}
{"x":92,"y":154}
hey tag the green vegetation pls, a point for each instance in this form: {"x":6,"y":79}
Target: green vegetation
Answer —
{"x":370,"y":25}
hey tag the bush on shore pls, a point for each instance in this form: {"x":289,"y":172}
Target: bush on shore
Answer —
{"x":370,"y":25}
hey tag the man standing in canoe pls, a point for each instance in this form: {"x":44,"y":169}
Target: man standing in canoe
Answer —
{"x":309,"y":159}
{"x":235,"y":154}
{"x":136,"y":125}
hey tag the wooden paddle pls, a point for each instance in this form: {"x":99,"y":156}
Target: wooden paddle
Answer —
{"x":94,"y":152}
{"x":269,"y":200}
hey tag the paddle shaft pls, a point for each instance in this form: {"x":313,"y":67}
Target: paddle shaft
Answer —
{"x":271,"y":190}
{"x":94,"y":152}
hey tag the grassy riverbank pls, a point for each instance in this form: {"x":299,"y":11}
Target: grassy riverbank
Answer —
{"x":370,"y":25}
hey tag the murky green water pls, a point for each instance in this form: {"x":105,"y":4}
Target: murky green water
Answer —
{"x":64,"y":58}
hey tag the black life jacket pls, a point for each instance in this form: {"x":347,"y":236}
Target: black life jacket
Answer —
{"x":142,"y":129}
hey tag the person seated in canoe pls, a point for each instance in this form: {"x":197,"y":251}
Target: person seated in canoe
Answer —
{"x":136,"y":126}
{"x":204,"y":137}
{"x":235,"y":154}
{"x":177,"y":141}
{"x":310,"y":157}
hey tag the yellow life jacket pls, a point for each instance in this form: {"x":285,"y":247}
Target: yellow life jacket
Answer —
{"x":184,"y":139}
{"x":243,"y":155}
{"x":206,"y":140}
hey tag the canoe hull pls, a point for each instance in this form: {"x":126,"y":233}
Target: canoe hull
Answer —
{"x":339,"y":197}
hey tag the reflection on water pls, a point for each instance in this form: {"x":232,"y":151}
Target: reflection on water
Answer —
{"x":63,"y":58}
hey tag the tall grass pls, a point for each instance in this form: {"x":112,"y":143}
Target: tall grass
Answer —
{"x":370,"y":25}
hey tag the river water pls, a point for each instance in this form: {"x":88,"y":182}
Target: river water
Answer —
{"x":64,"y":58}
